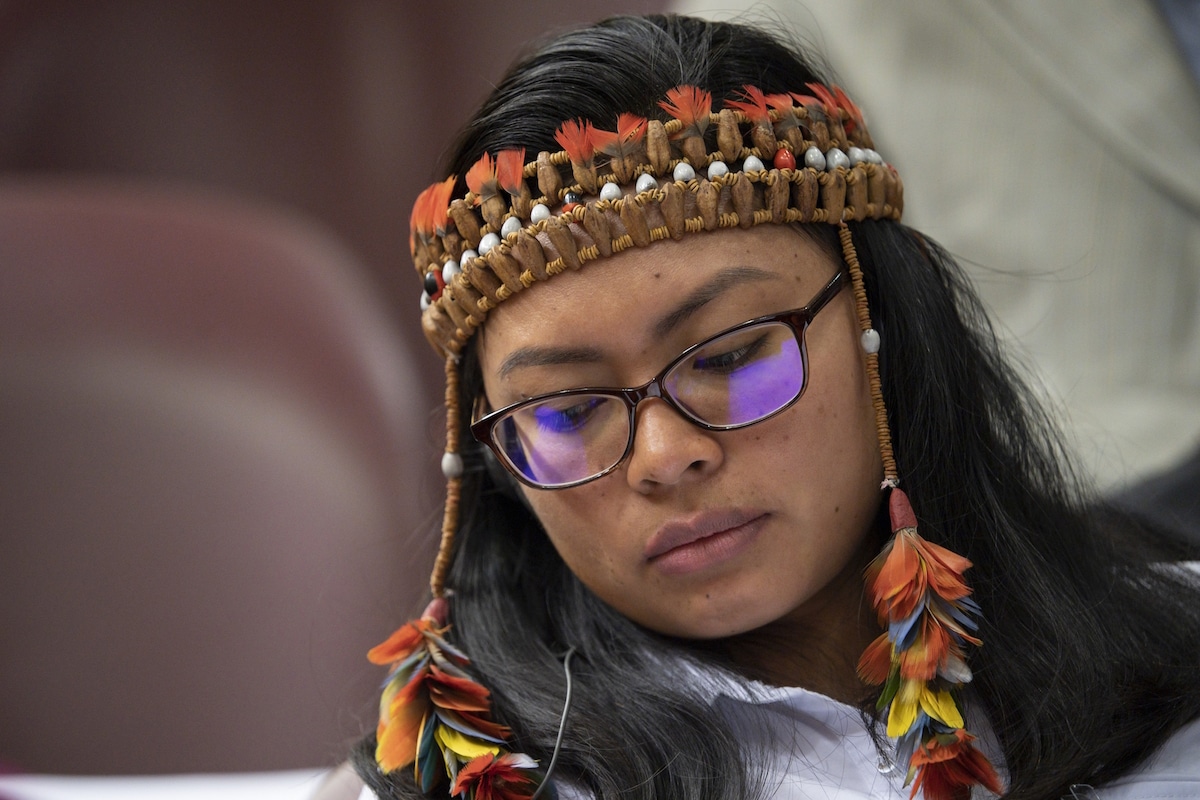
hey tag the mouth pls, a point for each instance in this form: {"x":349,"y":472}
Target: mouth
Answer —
{"x":703,"y":540}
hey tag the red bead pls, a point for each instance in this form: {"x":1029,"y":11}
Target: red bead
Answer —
{"x":784,"y":159}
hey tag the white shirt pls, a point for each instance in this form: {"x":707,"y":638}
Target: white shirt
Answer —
{"x":820,"y":749}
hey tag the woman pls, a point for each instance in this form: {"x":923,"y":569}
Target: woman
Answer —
{"x":662,"y":587}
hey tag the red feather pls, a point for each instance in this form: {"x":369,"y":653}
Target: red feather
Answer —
{"x":691,"y":106}
{"x":852,"y":110}
{"x":949,"y":765}
{"x":780,"y":102}
{"x":575,"y":137}
{"x":827,"y":98}
{"x":630,"y":130}
{"x":429,"y":211}
{"x":510,"y":168}
{"x":875,"y":664}
{"x":480,"y":174}
{"x":496,"y":778}
{"x":401,"y":644}
{"x":754,"y":106}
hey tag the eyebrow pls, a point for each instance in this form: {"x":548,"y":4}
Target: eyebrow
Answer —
{"x":538,"y":356}
{"x":547,"y":357}
{"x":708,"y":292}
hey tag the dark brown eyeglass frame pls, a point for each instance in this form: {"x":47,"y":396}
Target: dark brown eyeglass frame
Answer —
{"x":797,"y":319}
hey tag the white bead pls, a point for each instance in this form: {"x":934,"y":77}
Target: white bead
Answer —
{"x":467,"y":255}
{"x":753,"y":164}
{"x":610,"y":191}
{"x":450,"y":270}
{"x":835,"y":158}
{"x":540,"y":212}
{"x":488,"y":241}
{"x":814,"y":158}
{"x":683,"y":172}
{"x":873,"y":156}
{"x":857,"y":155}
{"x":716,"y":169}
{"x":645,"y":183}
{"x":510,"y":226}
{"x":870,"y":340}
{"x":452,"y":465}
{"x":425,"y":301}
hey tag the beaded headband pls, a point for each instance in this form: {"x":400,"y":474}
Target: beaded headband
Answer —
{"x":809,"y":159}
{"x":780,"y":158}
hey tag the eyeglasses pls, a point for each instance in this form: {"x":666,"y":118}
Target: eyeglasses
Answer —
{"x":738,"y":377}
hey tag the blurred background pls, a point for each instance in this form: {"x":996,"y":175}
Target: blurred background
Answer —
{"x":218,"y":425}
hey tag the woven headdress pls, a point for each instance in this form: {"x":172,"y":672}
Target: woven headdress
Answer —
{"x":778,"y":159}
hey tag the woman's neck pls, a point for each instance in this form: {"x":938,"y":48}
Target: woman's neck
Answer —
{"x":816,"y":646}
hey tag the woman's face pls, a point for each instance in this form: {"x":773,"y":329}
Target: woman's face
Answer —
{"x":701,"y":534}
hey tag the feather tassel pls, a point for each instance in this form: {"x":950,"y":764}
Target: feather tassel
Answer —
{"x":918,"y":590}
{"x":435,"y":717}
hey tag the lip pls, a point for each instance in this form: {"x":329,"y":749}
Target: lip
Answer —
{"x":702,"y":540}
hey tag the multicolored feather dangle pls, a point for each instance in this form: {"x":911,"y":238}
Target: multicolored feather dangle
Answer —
{"x":434,"y":716}
{"x":918,"y":590}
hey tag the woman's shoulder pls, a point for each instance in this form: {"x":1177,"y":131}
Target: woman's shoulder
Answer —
{"x":1172,"y":772}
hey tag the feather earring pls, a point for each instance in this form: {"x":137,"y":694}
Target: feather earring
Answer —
{"x":924,"y":604}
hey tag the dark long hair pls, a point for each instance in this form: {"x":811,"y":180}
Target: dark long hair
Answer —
{"x":1092,"y":648}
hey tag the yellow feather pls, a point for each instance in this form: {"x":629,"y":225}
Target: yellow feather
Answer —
{"x":465,"y":747}
{"x":903,"y":712}
{"x":941,"y":706}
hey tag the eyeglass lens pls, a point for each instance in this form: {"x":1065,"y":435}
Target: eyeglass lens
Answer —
{"x":733,"y":380}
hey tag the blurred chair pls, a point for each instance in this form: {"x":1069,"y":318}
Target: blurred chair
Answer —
{"x":210,"y":487}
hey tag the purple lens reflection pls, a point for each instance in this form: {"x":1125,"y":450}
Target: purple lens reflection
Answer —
{"x":566,"y":439}
{"x":766,"y":385}
{"x":740,"y":378}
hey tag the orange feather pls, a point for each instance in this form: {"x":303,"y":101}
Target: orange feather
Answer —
{"x":929,"y":652}
{"x":630,"y":130}
{"x":754,"y":106}
{"x":575,"y":137}
{"x":403,"y":641}
{"x":875,"y":664}
{"x":510,"y":166}
{"x":691,"y":106}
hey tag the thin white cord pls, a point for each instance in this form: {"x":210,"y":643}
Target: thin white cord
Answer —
{"x":562,"y":726}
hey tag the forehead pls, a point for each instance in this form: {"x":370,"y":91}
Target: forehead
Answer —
{"x":626,"y":302}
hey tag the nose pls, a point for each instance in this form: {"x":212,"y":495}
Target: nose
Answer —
{"x":668,"y":449}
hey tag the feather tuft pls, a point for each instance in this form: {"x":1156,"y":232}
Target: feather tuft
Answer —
{"x":629,"y":133}
{"x":753,"y":104}
{"x":510,"y":169}
{"x":575,"y":137}
{"x":690,"y":105}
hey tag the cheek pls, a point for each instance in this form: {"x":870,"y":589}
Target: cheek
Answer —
{"x":569,"y":519}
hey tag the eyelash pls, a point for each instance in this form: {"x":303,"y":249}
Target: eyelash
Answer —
{"x":731,"y":360}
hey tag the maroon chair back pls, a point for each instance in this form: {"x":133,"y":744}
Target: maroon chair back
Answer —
{"x":212,"y":495}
